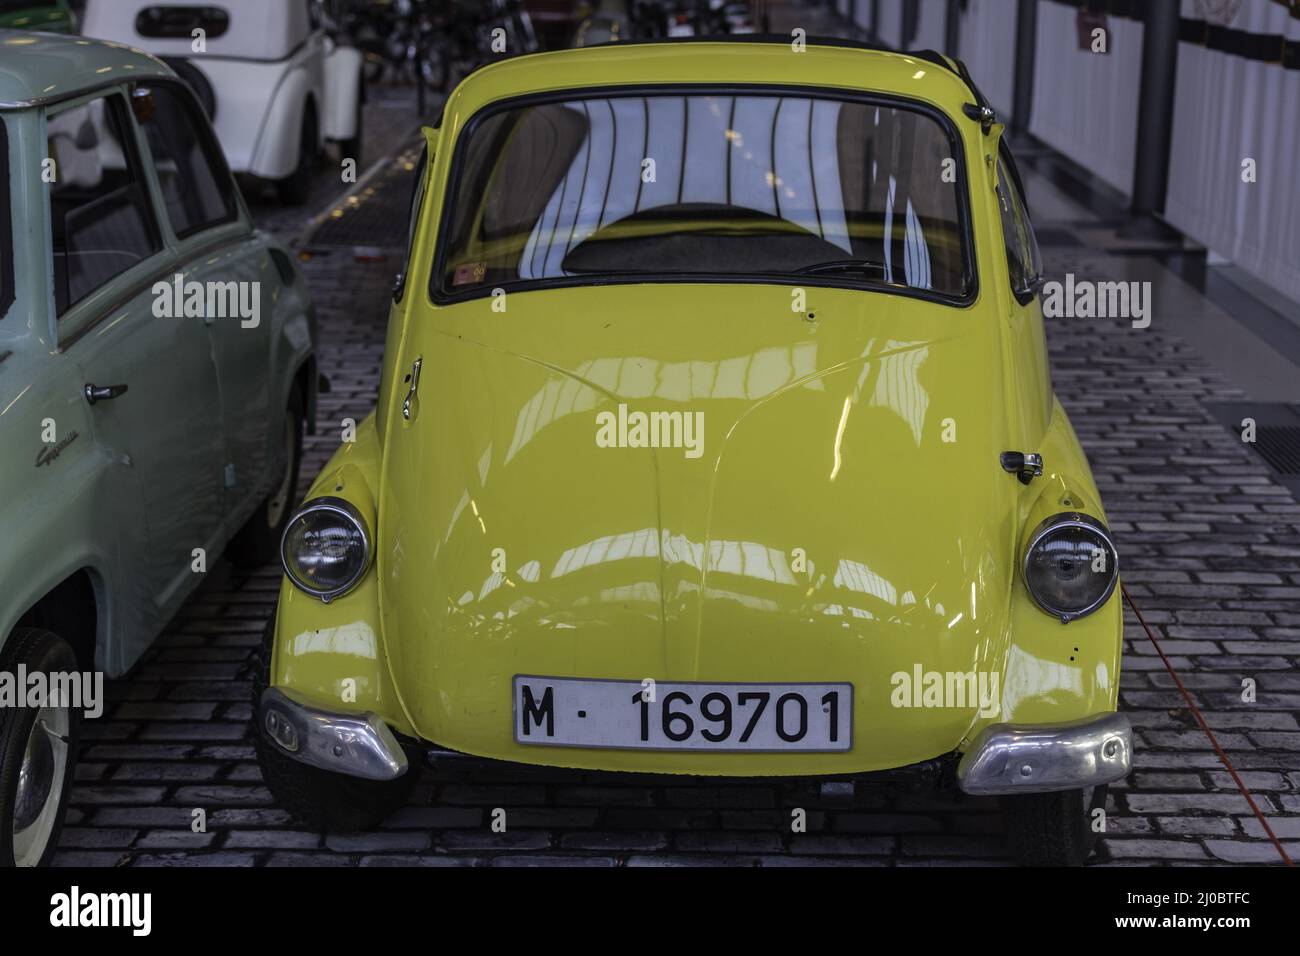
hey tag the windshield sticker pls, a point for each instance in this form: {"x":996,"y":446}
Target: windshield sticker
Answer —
{"x":469,"y":273}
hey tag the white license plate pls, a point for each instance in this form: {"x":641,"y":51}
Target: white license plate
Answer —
{"x":683,"y":715}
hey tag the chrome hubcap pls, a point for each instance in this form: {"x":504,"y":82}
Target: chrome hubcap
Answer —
{"x":35,"y":779}
{"x":40,"y":785}
{"x":279,"y":501}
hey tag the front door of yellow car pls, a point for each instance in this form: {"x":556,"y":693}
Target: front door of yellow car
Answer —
{"x":825,"y":532}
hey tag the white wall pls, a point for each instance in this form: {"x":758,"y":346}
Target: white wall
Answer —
{"x":1086,"y":104}
{"x":863,"y":13}
{"x":988,"y":47}
{"x":1256,"y":225}
{"x":890,"y":25}
{"x":932,"y":25}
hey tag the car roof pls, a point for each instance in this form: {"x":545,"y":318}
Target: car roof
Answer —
{"x":39,"y":68}
{"x":736,"y":61}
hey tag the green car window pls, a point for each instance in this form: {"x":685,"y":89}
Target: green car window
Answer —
{"x":672,"y":186}
{"x":196,"y":185}
{"x":100,"y":213}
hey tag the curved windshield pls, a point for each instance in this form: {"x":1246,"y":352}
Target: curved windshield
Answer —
{"x":691,"y":186}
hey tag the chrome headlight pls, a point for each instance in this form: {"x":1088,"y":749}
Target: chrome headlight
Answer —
{"x":326,"y":548}
{"x":1071,"y":566}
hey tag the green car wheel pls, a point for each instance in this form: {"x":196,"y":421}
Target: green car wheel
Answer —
{"x":37,"y":754}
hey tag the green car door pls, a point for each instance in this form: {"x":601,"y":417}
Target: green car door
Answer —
{"x":219,"y":253}
{"x":148,"y":372}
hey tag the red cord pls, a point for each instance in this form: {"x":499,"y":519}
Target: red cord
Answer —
{"x":1206,"y":727}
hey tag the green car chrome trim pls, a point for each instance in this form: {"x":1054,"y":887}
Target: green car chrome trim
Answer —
{"x":7,"y":292}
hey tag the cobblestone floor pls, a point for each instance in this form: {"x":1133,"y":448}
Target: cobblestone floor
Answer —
{"x":1211,"y":549}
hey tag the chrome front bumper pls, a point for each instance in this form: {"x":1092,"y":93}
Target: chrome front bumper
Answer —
{"x":359,"y":745}
{"x":1008,"y":758}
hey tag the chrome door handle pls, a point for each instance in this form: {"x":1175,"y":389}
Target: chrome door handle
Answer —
{"x":408,"y":406}
{"x":102,"y":393}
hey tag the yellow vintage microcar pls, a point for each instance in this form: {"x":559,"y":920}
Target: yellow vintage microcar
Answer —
{"x":715,"y":436}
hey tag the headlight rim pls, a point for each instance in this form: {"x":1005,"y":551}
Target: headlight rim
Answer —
{"x":1071,"y":519}
{"x":349,"y":511}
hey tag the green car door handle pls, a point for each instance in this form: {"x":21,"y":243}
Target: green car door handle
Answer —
{"x":102,"y":393}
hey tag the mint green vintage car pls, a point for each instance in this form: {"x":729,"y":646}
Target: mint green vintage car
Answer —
{"x":156,"y":371}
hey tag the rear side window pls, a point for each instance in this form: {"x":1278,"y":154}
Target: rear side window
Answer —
{"x":179,"y":23}
{"x":100,"y":213}
{"x":1024,"y":261}
{"x":417,"y":203}
{"x":196,"y":185}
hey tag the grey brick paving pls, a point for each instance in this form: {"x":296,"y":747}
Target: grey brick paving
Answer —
{"x":1211,"y":551}
{"x":1209,"y":546}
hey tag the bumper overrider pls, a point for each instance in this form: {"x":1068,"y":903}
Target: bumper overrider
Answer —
{"x":1009,"y":758}
{"x":1003,"y":758}
{"x":359,"y":745}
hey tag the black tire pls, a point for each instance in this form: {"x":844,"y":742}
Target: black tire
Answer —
{"x":295,"y":189}
{"x":351,"y":148}
{"x":324,"y":800}
{"x":1053,"y":829}
{"x":46,"y":652}
{"x":257,"y":543}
